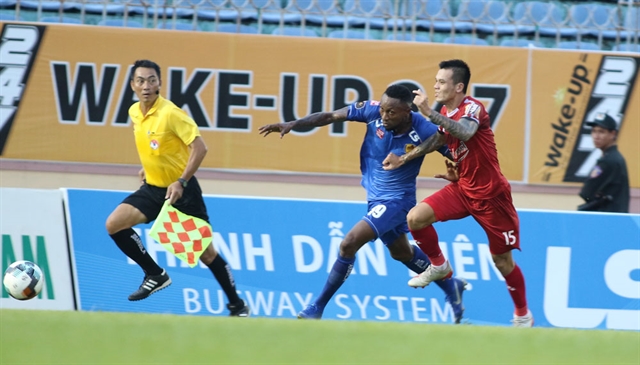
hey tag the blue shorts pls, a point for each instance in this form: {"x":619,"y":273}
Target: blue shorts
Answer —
{"x":389,"y":218}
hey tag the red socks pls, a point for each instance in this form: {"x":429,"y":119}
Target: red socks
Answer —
{"x":427,"y":240}
{"x":515,"y":284}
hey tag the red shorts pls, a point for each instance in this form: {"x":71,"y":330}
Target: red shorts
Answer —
{"x":497,"y":216}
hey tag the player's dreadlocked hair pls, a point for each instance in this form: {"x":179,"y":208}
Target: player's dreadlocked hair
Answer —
{"x":461,"y":72}
{"x":400,"y":92}
{"x":145,"y":64}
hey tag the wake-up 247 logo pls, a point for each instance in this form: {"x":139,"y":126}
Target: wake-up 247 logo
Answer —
{"x":18,"y":49}
{"x":610,"y":94}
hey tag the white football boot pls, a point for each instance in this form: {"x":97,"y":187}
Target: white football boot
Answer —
{"x":430,"y":274}
{"x":523,"y":321}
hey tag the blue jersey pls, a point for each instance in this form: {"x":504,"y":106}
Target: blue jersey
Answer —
{"x":379,"y":142}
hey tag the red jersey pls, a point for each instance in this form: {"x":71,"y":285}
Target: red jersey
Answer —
{"x":477,"y":158}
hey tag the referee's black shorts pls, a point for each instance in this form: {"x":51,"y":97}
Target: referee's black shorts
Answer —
{"x":149,"y":200}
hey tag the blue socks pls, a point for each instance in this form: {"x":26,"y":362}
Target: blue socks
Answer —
{"x":447,"y":287}
{"x":419,"y":262}
{"x":339,"y":273}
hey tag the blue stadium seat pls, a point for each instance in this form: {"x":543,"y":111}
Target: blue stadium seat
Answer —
{"x":270,"y":10}
{"x":489,"y":17}
{"x":217,"y":10}
{"x":46,"y":5}
{"x":11,"y":17}
{"x":57,"y":19}
{"x":347,"y":34}
{"x":433,"y":15}
{"x":120,"y":23}
{"x":528,"y":14}
{"x":549,"y":18}
{"x":632,"y":22}
{"x":273,"y":11}
{"x":578,"y":45}
{"x":466,"y":39}
{"x":407,"y":37}
{"x":595,"y":19}
{"x":624,"y":47}
{"x":295,"y":32}
{"x":321,"y":12}
{"x":520,"y":42}
{"x":372,"y":13}
{"x":237,"y":28}
{"x":176,"y":26}
{"x":164,"y":8}
{"x":98,"y":7}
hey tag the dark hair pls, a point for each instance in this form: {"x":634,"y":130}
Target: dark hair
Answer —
{"x":461,"y":72}
{"x":145,"y":64}
{"x":400,"y":92}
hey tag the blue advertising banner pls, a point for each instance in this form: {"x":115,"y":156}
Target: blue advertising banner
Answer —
{"x":582,"y":270}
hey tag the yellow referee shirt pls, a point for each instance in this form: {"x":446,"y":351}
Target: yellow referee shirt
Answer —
{"x":162,"y":138}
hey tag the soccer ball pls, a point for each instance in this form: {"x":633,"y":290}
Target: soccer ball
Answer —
{"x":23,"y":280}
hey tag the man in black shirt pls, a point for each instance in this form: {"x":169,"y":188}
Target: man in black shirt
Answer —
{"x":607,"y":187}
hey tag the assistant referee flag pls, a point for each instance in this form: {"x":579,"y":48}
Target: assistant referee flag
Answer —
{"x":183,"y":235}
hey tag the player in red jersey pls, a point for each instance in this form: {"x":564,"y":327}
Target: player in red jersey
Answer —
{"x":480,"y":191}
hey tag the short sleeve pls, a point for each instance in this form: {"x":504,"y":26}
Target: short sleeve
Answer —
{"x":473,"y":111}
{"x":184,"y":126}
{"x":364,"y":111}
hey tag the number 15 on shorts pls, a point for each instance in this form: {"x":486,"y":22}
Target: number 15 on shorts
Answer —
{"x":509,"y":237}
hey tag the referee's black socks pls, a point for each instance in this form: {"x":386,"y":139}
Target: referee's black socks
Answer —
{"x":222,"y":272}
{"x":131,"y":245}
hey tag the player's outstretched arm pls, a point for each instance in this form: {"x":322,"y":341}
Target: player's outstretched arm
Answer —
{"x":393,"y":161}
{"x":312,"y":120}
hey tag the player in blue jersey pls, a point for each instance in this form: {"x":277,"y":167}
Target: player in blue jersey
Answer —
{"x":391,"y":127}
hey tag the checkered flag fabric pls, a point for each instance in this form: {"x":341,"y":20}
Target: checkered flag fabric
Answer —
{"x":183,"y":235}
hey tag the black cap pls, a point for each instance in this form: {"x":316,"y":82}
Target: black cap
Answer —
{"x":605,"y":121}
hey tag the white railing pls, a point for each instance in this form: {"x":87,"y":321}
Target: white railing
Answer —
{"x":533,"y":21}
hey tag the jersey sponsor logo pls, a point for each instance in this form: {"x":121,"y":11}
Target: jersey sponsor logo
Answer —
{"x":408,"y":148}
{"x":414,"y":136}
{"x":597,"y":171}
{"x":374,"y":102}
{"x":19,"y":46}
{"x":154,"y":144}
{"x":380,"y":133}
{"x":460,"y":153}
{"x":360,"y":105}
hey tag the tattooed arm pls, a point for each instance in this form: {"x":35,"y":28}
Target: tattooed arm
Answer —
{"x":312,"y":120}
{"x":463,"y":129}
{"x":393,"y":161}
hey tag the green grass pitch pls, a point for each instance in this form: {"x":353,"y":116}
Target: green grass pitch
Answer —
{"x":55,"y":337}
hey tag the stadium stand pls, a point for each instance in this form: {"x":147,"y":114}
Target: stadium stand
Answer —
{"x":578,"y":45}
{"x":407,"y":37}
{"x":465,"y":39}
{"x":610,"y":25}
{"x":295,"y":31}
{"x":521,"y":42}
{"x":58,"y":19}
